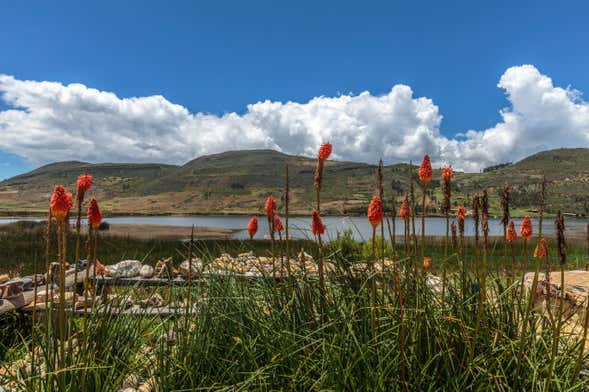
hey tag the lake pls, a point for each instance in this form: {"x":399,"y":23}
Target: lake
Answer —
{"x":299,"y":227}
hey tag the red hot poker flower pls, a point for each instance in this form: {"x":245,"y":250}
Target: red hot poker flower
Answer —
{"x":317,"y":226}
{"x":405,"y":210}
{"x":447,"y":173}
{"x":526,"y":228}
{"x":511,"y":234}
{"x":61,"y":202}
{"x":270,"y":206}
{"x":375,"y":211}
{"x":324,"y":151}
{"x":278,"y":226}
{"x":425,"y":170}
{"x":252,"y":227}
{"x":83,"y":183}
{"x":460,"y":213}
{"x":541,"y":250}
{"x":426,"y":262}
{"x":94,"y":214}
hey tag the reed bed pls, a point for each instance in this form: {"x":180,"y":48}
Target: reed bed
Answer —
{"x":439,"y":313}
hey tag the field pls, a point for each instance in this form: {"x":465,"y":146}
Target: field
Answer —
{"x":407,"y":313}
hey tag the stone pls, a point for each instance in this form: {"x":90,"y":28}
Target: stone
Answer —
{"x":146,"y":271}
{"x":195,"y":267}
{"x":165,"y":269}
{"x":546,"y":297}
{"x":124,"y":269}
{"x":4,"y":278}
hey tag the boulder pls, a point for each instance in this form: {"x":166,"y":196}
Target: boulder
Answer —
{"x":195,"y":267}
{"x":146,"y":272}
{"x":4,"y":278}
{"x":124,"y":269}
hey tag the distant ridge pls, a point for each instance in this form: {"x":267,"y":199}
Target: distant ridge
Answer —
{"x":238,"y":182}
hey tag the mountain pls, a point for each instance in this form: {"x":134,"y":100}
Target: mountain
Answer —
{"x":239,"y":182}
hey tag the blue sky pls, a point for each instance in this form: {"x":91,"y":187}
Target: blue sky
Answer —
{"x":218,"y":57}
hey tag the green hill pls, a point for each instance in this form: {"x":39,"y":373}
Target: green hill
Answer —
{"x":239,"y":181}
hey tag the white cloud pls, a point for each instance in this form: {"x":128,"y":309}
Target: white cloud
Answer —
{"x":48,"y":121}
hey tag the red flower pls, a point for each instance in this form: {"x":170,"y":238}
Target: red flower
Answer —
{"x":375,"y":211}
{"x":61,"y":202}
{"x":460,"y":213}
{"x":541,"y":250}
{"x":324,"y":151}
{"x":526,"y":228}
{"x":426,"y":261}
{"x":94,"y":214}
{"x":425,"y":170}
{"x":252,"y":227}
{"x":447,"y":173}
{"x":405,"y":210}
{"x":83,"y":183}
{"x":317,"y":226}
{"x":270,"y":206}
{"x":511,"y":234}
{"x":278,"y":226}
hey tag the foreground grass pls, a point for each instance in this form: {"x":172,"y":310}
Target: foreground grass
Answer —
{"x":265,"y":335}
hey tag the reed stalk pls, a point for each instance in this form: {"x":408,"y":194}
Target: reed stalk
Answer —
{"x":286,"y":215}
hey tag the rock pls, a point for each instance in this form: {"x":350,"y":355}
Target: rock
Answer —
{"x":155,"y":301}
{"x":546,"y":297}
{"x":11,"y":288}
{"x":146,"y":272}
{"x":120,"y":301}
{"x":4,"y":278}
{"x":165,"y":269}
{"x":70,"y":298}
{"x":195,"y":267}
{"x":124,"y":269}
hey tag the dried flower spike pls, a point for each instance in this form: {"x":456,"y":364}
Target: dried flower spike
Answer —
{"x":460,"y":213}
{"x":375,"y":211}
{"x":317,"y":226}
{"x":252,"y":227}
{"x":511,"y":234}
{"x":525,"y":229}
{"x":425,"y":170}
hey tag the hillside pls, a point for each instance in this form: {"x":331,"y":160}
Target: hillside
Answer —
{"x":238,"y":182}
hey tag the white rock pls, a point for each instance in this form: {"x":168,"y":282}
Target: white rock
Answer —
{"x":195,"y":267}
{"x":125,"y":269}
{"x":146,"y":271}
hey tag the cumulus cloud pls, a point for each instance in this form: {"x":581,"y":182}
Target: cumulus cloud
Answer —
{"x":47,"y":121}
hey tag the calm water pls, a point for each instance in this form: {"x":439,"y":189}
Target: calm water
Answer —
{"x":300,"y":227}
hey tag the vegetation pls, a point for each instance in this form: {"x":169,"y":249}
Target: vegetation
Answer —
{"x":410,"y":313}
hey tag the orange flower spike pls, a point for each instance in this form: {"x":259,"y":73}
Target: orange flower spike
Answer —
{"x":83,"y":183}
{"x":426,"y":262}
{"x":447,"y":173}
{"x":278,"y":226}
{"x":425,"y":170}
{"x":61,"y":202}
{"x":375,"y":211}
{"x":405,"y":210}
{"x":511,"y":234}
{"x":94,"y":214}
{"x":541,"y":250}
{"x":252,"y":227}
{"x":460,"y":213}
{"x":526,"y":228}
{"x":270,"y":206}
{"x":317,"y":226}
{"x":324,"y":151}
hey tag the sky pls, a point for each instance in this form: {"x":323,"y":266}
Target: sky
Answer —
{"x":151,"y":81}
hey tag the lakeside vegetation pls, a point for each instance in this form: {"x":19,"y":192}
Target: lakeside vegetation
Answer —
{"x":400,"y":313}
